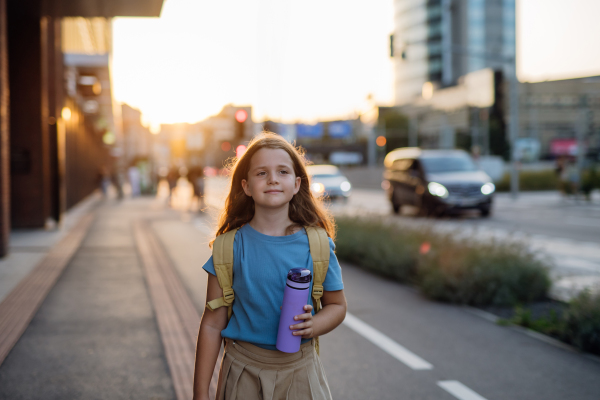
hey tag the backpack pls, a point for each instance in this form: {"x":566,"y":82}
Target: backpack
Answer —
{"x":223,"y":262}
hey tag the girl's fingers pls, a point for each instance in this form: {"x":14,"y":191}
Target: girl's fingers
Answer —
{"x":305,"y":324}
{"x":303,"y":316}
{"x":305,"y":333}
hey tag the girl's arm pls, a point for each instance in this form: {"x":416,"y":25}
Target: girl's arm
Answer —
{"x":209,"y":340}
{"x":331,"y":315}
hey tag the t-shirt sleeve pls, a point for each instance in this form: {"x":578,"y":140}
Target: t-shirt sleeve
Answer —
{"x":333,"y":279}
{"x":210,"y":267}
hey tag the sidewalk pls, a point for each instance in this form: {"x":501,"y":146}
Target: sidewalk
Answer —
{"x":95,"y":335}
{"x":27,"y":247}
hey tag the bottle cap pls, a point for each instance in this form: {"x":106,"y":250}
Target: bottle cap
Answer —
{"x":299,"y":275}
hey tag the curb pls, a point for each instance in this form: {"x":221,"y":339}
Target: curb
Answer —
{"x":531,"y":333}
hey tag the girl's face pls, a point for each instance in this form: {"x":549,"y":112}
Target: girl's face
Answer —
{"x":271,"y":179}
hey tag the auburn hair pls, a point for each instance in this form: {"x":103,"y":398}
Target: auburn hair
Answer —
{"x":305,"y":209}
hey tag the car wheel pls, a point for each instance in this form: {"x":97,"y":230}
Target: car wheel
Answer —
{"x":486,"y":211}
{"x":396,"y":206}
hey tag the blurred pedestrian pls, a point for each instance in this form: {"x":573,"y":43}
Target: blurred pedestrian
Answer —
{"x":117,"y":181}
{"x":559,"y":170}
{"x":268,"y":206}
{"x":196,"y":178}
{"x":172,"y":178}
{"x":133,"y":173}
{"x":104,"y":177}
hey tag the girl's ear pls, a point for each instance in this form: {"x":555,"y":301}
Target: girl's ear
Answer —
{"x":246,"y":188}
{"x":297,"y":184}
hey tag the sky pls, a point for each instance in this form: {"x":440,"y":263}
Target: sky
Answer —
{"x":310,"y":60}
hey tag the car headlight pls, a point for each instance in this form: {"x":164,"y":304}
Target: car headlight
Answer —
{"x":317,"y":187}
{"x":345,"y":186}
{"x":488,"y":188}
{"x":437,"y":189}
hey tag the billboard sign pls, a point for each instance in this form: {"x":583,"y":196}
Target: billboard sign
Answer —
{"x":309,"y":131}
{"x":340,"y":129}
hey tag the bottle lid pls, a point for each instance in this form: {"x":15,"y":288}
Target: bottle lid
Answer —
{"x":299,"y":275}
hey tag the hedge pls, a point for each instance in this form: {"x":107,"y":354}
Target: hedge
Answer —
{"x":442,"y":266}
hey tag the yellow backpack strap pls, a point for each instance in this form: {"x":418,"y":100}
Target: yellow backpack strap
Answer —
{"x":223,"y":262}
{"x":319,"y":251}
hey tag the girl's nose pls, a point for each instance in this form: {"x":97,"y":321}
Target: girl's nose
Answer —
{"x":272,"y":179}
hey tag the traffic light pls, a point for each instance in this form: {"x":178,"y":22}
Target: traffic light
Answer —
{"x":241,"y":116}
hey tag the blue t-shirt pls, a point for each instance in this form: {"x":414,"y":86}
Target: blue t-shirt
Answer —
{"x":260,"y":266}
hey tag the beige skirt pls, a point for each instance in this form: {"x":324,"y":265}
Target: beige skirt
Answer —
{"x":249,"y":372}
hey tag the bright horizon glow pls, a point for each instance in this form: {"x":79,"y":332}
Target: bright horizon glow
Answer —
{"x":557,"y":39}
{"x":306,"y":61}
{"x":300,"y":61}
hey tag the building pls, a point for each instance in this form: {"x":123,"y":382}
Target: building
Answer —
{"x":52,"y":106}
{"x":555,"y":114}
{"x":435,"y":42}
{"x":137,"y":139}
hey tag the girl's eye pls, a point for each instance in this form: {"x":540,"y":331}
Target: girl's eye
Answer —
{"x":283,"y":171}
{"x":261,"y":173}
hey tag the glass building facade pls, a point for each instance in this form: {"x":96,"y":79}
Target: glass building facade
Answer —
{"x":439,"y":41}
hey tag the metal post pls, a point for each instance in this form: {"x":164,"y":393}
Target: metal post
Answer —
{"x":580,"y":131}
{"x":447,"y":73}
{"x":513,"y":126}
{"x":371,"y":146}
{"x":413,"y":132}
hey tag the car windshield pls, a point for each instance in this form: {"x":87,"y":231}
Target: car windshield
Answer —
{"x":325,"y":175}
{"x":448,"y":164}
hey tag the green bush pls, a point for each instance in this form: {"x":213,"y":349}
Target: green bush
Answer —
{"x":550,"y":324}
{"x":590,"y":180}
{"x":582,"y":322}
{"x":577,"y":322}
{"x":458,"y":271}
{"x":476,"y":273}
{"x":530,"y":181}
{"x":384,"y":249}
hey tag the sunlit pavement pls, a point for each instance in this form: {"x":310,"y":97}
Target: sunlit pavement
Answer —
{"x":97,"y":333}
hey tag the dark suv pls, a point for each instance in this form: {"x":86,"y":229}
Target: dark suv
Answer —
{"x":436,"y":181}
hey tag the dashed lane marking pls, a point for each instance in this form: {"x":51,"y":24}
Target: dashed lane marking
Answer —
{"x":460,"y":391}
{"x":386,"y":343}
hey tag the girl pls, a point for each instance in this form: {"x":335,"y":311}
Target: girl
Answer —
{"x":270,"y":201}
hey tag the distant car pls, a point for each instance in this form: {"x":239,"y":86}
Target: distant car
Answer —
{"x":328,"y":181}
{"x":436,"y":181}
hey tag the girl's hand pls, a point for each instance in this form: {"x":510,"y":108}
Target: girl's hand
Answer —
{"x":306,"y":327}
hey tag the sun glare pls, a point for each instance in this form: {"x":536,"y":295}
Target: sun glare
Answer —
{"x":289,"y":61}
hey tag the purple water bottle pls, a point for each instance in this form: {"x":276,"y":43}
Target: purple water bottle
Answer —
{"x":295,"y":298}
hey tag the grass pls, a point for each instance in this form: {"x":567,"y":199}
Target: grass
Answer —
{"x":576,"y":323}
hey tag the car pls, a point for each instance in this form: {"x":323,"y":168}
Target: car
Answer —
{"x":436,"y":181}
{"x":328,"y":181}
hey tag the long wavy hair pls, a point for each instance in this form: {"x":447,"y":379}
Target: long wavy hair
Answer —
{"x":305,"y":209}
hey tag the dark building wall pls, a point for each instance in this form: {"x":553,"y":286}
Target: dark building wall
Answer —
{"x":30,"y":196}
{"x":85,"y":154}
{"x":4,"y":135}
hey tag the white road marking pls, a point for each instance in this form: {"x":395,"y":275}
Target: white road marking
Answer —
{"x":460,"y":391}
{"x":583,"y":222}
{"x":577,"y":263}
{"x":386,"y":344}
